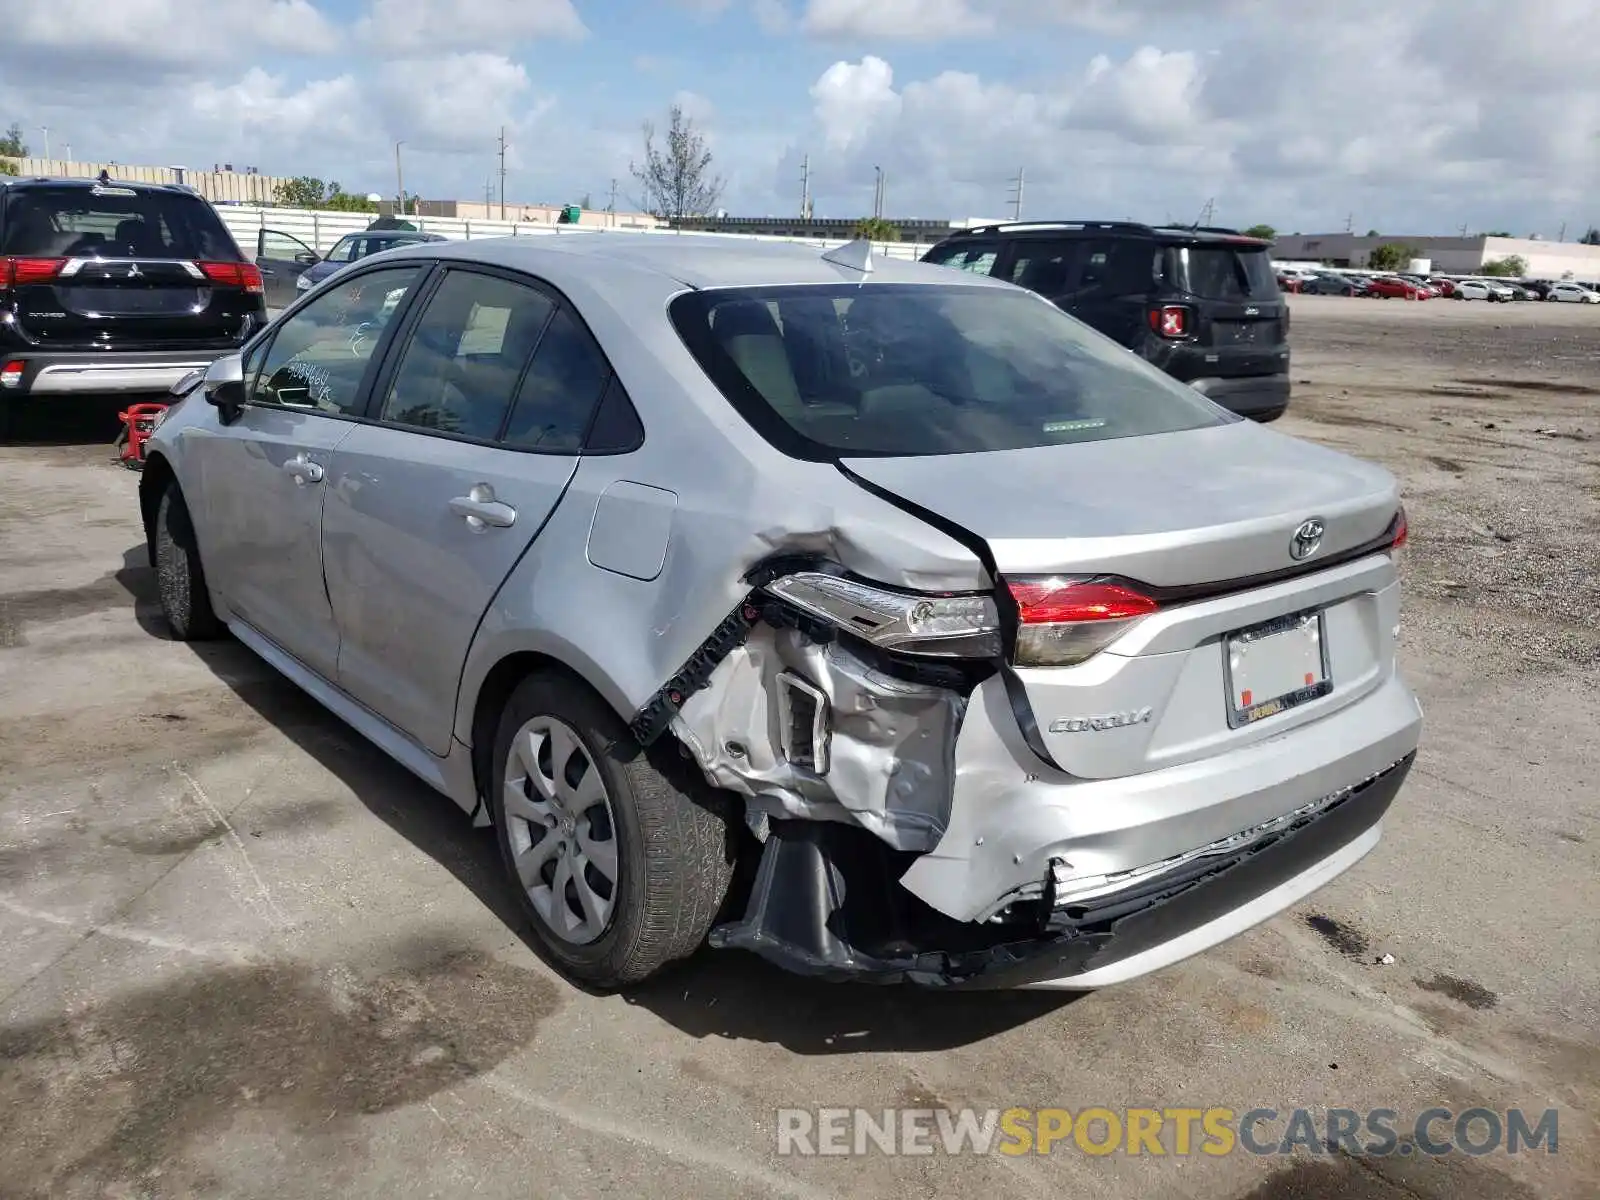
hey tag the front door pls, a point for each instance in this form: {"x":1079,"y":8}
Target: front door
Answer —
{"x":263,"y":476}
{"x":431,"y":505}
{"x":282,"y":258}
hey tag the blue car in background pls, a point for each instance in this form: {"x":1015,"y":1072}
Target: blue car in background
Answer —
{"x":290,"y":268}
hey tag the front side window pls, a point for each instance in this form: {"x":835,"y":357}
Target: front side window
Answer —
{"x":344,"y":250}
{"x":918,"y":369}
{"x":319,"y":355}
{"x":461,"y":365}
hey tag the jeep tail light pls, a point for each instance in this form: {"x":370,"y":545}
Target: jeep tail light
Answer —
{"x":234,"y":274}
{"x":16,"y":272}
{"x":11,"y":373}
{"x":1400,"y":531}
{"x":1170,"y":320}
{"x":940,"y":625}
{"x":1063,"y":621}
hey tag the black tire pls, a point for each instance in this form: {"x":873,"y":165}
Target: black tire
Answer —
{"x":674,"y":851}
{"x":180,"y":579}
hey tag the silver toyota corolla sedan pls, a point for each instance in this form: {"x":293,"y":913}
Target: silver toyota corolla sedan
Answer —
{"x":994,"y":656}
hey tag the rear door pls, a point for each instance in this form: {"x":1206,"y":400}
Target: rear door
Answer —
{"x":1241,"y":319}
{"x":282,"y":258}
{"x":110,"y":266}
{"x":477,"y":430}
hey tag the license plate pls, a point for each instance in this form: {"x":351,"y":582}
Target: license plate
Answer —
{"x":1274,"y":667}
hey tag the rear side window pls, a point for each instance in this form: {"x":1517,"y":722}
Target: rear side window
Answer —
{"x":920,"y":369}
{"x":976,"y":257}
{"x":112,"y":222}
{"x":1222,"y":272}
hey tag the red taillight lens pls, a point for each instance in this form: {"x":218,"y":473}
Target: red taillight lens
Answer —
{"x":1170,"y":320}
{"x":234,"y":274}
{"x":1064,"y":621}
{"x":1402,"y":531}
{"x":11,"y":373}
{"x":15,"y":272}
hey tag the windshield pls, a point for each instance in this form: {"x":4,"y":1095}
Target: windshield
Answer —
{"x":112,"y":222}
{"x":918,"y":369}
{"x":1222,"y":272}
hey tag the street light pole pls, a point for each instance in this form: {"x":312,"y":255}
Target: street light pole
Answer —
{"x":399,"y":178}
{"x":46,"y":131}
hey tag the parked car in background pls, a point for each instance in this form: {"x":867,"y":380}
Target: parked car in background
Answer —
{"x":1539,"y":288}
{"x":1482,"y":289}
{"x":1203,"y":304}
{"x":1518,"y":291}
{"x":659,"y":552}
{"x":1573,"y":293}
{"x":1392,"y":287}
{"x":115,"y":287}
{"x":290,"y":267}
{"x":1445,"y":287}
{"x":354,"y":246}
{"x":1329,"y":284}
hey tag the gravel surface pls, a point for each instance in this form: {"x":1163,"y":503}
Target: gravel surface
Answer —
{"x":246,"y":955}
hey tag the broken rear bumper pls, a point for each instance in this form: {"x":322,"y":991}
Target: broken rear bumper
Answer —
{"x":821,"y":906}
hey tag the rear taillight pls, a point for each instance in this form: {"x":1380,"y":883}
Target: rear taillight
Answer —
{"x":16,"y":272}
{"x":947,"y":626}
{"x":234,"y":274}
{"x":1400,"y":532}
{"x":1063,"y":621}
{"x":1170,"y":320}
{"x":11,"y":373}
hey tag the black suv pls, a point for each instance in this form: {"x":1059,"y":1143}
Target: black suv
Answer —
{"x":112,"y":287}
{"x":1199,"y":302}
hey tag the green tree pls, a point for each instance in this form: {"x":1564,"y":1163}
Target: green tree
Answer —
{"x":11,"y":143}
{"x":7,"y":167}
{"x":1390,"y":256}
{"x":340,"y":200}
{"x":1373,"y":233}
{"x":675,"y":179}
{"x":1265,"y":232}
{"x":877,"y":229}
{"x":303,"y":191}
{"x":1512,"y":266}
{"x":1496,"y":233}
{"x":1592,"y":238}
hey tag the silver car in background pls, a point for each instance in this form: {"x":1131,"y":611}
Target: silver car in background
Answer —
{"x":997,"y":657}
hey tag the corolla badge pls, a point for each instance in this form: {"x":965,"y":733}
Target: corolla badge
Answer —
{"x":1307,"y":540}
{"x":1117,"y":720}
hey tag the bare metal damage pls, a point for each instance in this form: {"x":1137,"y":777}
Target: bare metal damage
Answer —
{"x":886,"y":758}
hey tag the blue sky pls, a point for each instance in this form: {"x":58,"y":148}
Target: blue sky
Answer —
{"x":1419,"y":116}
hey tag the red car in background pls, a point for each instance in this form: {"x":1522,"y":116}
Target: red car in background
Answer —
{"x":1388,"y":286}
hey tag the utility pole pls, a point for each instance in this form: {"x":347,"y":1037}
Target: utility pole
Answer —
{"x":399,"y":178}
{"x":611,"y":206}
{"x":1562,"y":236}
{"x":1016,"y":200}
{"x":488,"y":194}
{"x":46,"y":131}
{"x":805,"y":188}
{"x":502,"y":172}
{"x":1350,"y":223}
{"x":877,"y":192}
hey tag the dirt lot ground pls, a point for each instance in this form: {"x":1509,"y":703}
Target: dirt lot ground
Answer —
{"x":246,"y":956}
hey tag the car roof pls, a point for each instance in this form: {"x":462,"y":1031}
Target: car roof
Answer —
{"x":694,"y":260}
{"x":1166,"y":233}
{"x":26,"y":182}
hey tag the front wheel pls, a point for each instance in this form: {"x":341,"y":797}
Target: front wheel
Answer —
{"x":619,"y":868}
{"x":180,"y":579}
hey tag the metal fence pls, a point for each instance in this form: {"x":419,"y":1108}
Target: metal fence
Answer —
{"x":320,"y":229}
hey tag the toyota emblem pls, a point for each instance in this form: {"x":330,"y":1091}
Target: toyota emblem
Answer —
{"x":1307,"y":540}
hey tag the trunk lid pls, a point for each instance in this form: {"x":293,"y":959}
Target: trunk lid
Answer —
{"x":137,"y":301}
{"x":1177,"y":512}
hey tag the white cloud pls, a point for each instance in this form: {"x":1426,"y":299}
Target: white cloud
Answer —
{"x":413,"y":26}
{"x":920,"y":20}
{"x":125,"y":35}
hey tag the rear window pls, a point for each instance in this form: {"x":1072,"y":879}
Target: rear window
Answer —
{"x":845,"y":370}
{"x":112,"y":222}
{"x":1222,"y":272}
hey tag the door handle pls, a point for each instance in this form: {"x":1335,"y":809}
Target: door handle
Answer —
{"x":303,"y":470}
{"x":480,"y":509}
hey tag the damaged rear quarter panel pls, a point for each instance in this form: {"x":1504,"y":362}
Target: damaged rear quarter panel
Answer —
{"x":739,"y":502}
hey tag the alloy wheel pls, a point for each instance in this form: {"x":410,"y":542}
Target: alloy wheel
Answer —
{"x":562,"y":830}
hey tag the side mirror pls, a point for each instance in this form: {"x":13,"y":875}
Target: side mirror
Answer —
{"x":224,"y":383}
{"x":308,"y":258}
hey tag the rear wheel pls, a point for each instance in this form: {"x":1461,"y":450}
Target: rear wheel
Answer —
{"x":181,"y":580}
{"x":619,"y":868}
